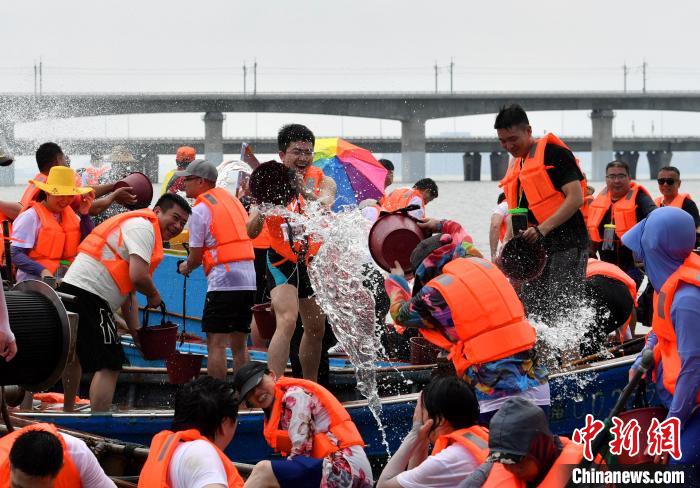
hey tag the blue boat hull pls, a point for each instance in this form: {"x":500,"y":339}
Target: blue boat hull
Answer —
{"x":569,"y":407}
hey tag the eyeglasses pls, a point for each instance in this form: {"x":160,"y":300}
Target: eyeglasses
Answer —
{"x":617,"y":176}
{"x":299,"y":152}
{"x":666,"y":181}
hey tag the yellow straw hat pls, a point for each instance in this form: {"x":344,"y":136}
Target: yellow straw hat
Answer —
{"x":61,"y":182}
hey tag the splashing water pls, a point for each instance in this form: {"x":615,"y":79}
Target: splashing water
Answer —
{"x":337,"y":273}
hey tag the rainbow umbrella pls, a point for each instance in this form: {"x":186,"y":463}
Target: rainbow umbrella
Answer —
{"x":356,"y":172}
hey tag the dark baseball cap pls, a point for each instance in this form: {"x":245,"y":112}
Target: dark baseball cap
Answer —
{"x":200,"y":168}
{"x":248,"y":377}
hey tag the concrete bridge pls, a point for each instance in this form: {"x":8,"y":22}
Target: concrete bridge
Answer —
{"x":659,"y":150}
{"x":412,"y":109}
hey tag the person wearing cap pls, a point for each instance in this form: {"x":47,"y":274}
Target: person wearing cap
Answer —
{"x":465,"y":305}
{"x":664,"y":242}
{"x":48,"y":232}
{"x":218,"y":239}
{"x":191,"y":454}
{"x":420,"y":195}
{"x":287,"y":274}
{"x":306,"y":423}
{"x":524,"y":452}
{"x":173,"y":183}
{"x":446,"y":416}
{"x":114,"y":261}
{"x":544,"y":188}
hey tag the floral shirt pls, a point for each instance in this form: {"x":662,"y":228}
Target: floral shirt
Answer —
{"x":426,"y":308}
{"x":302,"y":417}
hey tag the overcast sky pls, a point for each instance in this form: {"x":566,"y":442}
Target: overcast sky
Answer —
{"x":340,"y":45}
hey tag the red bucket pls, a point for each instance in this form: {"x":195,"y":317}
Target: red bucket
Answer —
{"x":183,"y":367}
{"x":393,"y":237}
{"x":643,"y":416}
{"x":265,"y":320}
{"x":141,"y":186}
{"x":423,"y":351}
{"x":158,"y":341}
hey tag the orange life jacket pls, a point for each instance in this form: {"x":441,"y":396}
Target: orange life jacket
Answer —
{"x":340,"y":425}
{"x":474,"y":439}
{"x":154,"y":473}
{"x":118,"y":268}
{"x":55,"y":241}
{"x":290,"y":247}
{"x":624,"y":211}
{"x":676,"y":202}
{"x":586,"y":207}
{"x":228,"y":227}
{"x":596,"y":267}
{"x":68,"y":476}
{"x":488,"y":315}
{"x":557,"y":477}
{"x":313,"y":176}
{"x":263,"y":239}
{"x":400,"y":198}
{"x":531,"y":178}
{"x":93,"y":174}
{"x":666,"y":350}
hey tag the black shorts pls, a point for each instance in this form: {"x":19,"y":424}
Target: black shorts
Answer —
{"x":98,"y":344}
{"x":288,"y":273}
{"x":228,"y":311}
{"x":261,"y":293}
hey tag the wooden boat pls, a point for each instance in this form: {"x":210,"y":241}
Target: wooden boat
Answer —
{"x":572,"y":399}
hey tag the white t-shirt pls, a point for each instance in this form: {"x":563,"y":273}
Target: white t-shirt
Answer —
{"x":446,"y":469}
{"x":89,"y":274}
{"x":196,"y":464}
{"x":239,"y":275}
{"x":86,"y":463}
{"x":420,"y":212}
{"x":539,"y":395}
{"x":501,"y":209}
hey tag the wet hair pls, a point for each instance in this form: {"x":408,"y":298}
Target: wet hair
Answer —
{"x":37,"y":453}
{"x":501,"y":197}
{"x":293,"y":133}
{"x":387,"y":164}
{"x":449,"y":398}
{"x":427,"y":184}
{"x":618,"y":164}
{"x":47,"y":154}
{"x":203,"y":404}
{"x":169,"y":200}
{"x":670,"y":168}
{"x":510,"y":116}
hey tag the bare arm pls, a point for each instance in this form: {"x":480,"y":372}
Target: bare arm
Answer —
{"x":573,"y":199}
{"x":10,"y":209}
{"x":494,"y":232}
{"x":101,"y":190}
{"x":123,"y":195}
{"x":194,"y":260}
{"x":141,"y":278}
{"x":255,"y":222}
{"x":327,"y":191}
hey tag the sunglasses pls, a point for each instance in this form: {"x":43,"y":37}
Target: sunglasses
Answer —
{"x":666,"y":181}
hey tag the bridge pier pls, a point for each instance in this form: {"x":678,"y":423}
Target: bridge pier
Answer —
{"x":412,"y":150}
{"x":601,"y":141}
{"x":631,"y":158}
{"x":499,"y":164}
{"x":214,"y":137}
{"x":657,"y":160}
{"x":472,"y":166}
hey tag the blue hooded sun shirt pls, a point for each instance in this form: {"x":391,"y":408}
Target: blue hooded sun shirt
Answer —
{"x":663,"y":241}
